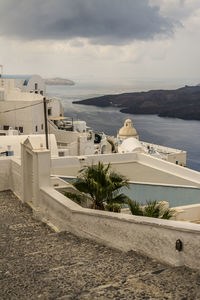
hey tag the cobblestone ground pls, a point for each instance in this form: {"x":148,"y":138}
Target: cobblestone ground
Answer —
{"x":37,"y":263}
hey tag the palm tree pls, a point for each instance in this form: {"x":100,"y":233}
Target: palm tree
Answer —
{"x":103,"y":185}
{"x":152,"y":209}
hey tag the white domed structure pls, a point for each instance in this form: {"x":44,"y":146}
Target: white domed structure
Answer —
{"x":130,"y":145}
{"x":127,"y":130}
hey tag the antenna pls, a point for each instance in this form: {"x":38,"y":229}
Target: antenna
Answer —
{"x":1,"y":73}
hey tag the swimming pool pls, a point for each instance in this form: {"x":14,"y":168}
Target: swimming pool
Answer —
{"x":174,"y":195}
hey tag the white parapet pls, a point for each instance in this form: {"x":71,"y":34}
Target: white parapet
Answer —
{"x":152,"y":237}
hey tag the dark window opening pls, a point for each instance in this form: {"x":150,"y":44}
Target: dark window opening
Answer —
{"x":21,"y":129}
{"x":41,"y":92}
{"x":49,"y":111}
{"x":42,"y":126}
{"x":36,"y":86}
{"x":176,"y":162}
{"x":61,"y":153}
{"x":36,"y":92}
{"x":36,"y":128}
{"x":5,"y":127}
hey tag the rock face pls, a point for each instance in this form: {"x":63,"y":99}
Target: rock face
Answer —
{"x":58,"y":81}
{"x":183,"y":103}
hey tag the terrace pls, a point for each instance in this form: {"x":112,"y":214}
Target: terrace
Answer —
{"x":39,"y":263}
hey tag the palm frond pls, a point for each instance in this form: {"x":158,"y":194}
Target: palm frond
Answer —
{"x":152,"y":209}
{"x":120,"y":199}
{"x":81,"y":185}
{"x":168,"y":214}
{"x":102,"y":184}
{"x":76,"y":198}
{"x":135,"y":207}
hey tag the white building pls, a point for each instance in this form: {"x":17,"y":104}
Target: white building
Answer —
{"x":127,"y":131}
{"x":10,"y":145}
{"x":22,"y":109}
{"x":128,"y":141}
{"x":26,"y":83}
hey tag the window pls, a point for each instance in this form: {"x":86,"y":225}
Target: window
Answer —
{"x":42,"y":126}
{"x":36,"y":128}
{"x":61,"y":153}
{"x":41,"y":92}
{"x":5,"y":127}
{"x":176,"y":162}
{"x":36,"y":92}
{"x":36,"y":86}
{"x":21,"y":129}
{"x":49,"y":111}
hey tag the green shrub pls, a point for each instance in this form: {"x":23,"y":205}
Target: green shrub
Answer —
{"x":153,"y":209}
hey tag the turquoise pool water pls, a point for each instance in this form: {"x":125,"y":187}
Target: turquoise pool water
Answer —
{"x":174,"y":195}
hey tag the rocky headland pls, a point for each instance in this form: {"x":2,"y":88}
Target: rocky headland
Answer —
{"x":183,"y":103}
{"x":58,"y":81}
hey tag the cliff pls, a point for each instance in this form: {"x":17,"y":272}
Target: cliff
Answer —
{"x":183,"y":103}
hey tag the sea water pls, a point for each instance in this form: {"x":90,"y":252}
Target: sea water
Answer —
{"x":171,"y":132}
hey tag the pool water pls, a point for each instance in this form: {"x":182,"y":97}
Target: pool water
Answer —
{"x":174,"y":195}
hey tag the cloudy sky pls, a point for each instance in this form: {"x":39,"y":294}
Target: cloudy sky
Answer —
{"x":101,"y":39}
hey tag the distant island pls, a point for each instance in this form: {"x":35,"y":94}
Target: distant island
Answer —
{"x":58,"y":81}
{"x":182,"y":103}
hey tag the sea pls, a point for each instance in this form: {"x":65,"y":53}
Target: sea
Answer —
{"x":171,"y":132}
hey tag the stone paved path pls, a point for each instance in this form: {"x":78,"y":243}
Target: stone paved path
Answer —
{"x":37,"y":263}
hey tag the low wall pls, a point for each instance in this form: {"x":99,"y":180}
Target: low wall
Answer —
{"x":137,"y":167}
{"x":72,"y":164}
{"x":62,"y":136}
{"x":89,"y":159}
{"x":170,"y":168}
{"x":5,"y":168}
{"x":188,"y":213}
{"x":152,"y":237}
{"x":16,"y":178}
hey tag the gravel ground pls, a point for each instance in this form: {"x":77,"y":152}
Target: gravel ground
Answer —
{"x":37,"y":263}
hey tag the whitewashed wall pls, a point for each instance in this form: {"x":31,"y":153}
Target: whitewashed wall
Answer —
{"x":177,"y":157}
{"x":5,"y":171}
{"x":170,"y":168}
{"x":136,"y":167}
{"x":63,"y":136}
{"x":188,"y":212}
{"x":55,"y":106}
{"x":72,"y":164}
{"x":152,"y":237}
{"x":28,"y":118}
{"x":16,"y":178}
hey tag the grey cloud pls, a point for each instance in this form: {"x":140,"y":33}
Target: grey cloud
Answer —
{"x":101,"y":21}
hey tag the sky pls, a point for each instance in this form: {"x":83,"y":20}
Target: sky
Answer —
{"x":102,"y":40}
